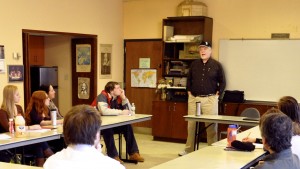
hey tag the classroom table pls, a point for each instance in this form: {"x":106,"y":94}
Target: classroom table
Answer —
{"x":31,"y":137}
{"x":116,"y":121}
{"x":215,"y":157}
{"x":37,"y":137}
{"x":57,"y":132}
{"x":16,"y":166}
{"x":216,"y":119}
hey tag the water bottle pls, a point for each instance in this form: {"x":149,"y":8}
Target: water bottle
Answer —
{"x":231,"y":134}
{"x":11,"y":126}
{"x":198,"y":108}
{"x":20,"y":126}
{"x":53,"y":115}
{"x":133,"y":109}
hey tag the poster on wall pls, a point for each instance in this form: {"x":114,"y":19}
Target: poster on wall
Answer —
{"x":83,"y":58}
{"x":2,"y":57}
{"x":83,"y":88}
{"x":143,"y":78}
{"x":15,"y":73}
{"x":105,"y":61}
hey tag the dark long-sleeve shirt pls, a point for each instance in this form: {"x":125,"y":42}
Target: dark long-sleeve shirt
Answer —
{"x":36,"y":118}
{"x":206,"y":78}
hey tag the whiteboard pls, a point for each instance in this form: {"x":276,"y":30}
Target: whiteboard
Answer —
{"x":265,"y":69}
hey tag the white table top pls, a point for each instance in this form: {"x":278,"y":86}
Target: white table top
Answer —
{"x":215,"y":157}
{"x":116,"y":121}
{"x":30,"y":138}
{"x":16,"y":166}
{"x":221,"y":119}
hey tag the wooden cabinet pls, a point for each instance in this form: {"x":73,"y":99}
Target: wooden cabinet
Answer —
{"x":178,"y":53}
{"x":36,"y":50}
{"x":168,"y":121}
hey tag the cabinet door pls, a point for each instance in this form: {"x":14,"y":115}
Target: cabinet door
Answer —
{"x":36,"y":50}
{"x":179,"y":125}
{"x":161,"y":119}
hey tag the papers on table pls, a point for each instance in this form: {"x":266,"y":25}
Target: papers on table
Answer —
{"x":4,"y":137}
{"x":38,"y":131}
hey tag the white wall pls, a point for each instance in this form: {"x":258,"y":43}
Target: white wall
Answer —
{"x":103,"y":18}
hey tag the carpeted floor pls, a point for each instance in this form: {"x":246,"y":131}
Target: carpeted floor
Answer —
{"x":154,"y":152}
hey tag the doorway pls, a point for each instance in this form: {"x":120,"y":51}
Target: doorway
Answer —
{"x":46,"y":48}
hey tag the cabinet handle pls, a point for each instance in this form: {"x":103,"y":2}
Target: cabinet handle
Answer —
{"x":174,"y":108}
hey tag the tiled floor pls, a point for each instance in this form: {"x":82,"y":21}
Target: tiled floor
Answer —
{"x":154,"y":152}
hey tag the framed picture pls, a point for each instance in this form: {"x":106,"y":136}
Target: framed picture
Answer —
{"x":15,"y":73}
{"x":83,"y":58}
{"x":2,"y":52}
{"x":83,"y":88}
{"x":105,"y":61}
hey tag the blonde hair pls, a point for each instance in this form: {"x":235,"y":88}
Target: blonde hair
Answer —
{"x":8,"y":103}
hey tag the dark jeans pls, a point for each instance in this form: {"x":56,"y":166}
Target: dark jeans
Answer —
{"x":108,"y":135}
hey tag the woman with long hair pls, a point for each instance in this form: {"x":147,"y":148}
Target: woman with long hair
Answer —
{"x":37,"y":111}
{"x":9,"y":110}
{"x":51,"y":94}
{"x":9,"y":107}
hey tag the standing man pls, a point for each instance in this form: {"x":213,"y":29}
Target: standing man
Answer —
{"x":112,"y":101}
{"x":205,"y":82}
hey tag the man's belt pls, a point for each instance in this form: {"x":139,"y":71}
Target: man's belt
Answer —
{"x":205,"y":95}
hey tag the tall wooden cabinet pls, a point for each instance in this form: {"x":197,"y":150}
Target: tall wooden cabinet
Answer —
{"x":168,"y":121}
{"x":177,"y":55}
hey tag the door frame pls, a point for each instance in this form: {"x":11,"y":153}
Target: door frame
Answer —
{"x":25,"y":37}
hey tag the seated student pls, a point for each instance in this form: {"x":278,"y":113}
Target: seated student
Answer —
{"x":37,"y":112}
{"x":10,"y":109}
{"x":51,"y":94}
{"x":112,"y":101}
{"x":59,"y":144}
{"x":289,"y":106}
{"x":276,"y":132}
{"x":81,"y":131}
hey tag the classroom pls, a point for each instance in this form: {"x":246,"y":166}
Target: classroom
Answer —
{"x":114,"y":24}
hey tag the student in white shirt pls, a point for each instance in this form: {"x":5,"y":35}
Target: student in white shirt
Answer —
{"x":81,"y":131}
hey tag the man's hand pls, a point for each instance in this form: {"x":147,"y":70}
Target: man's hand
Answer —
{"x":122,"y":95}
